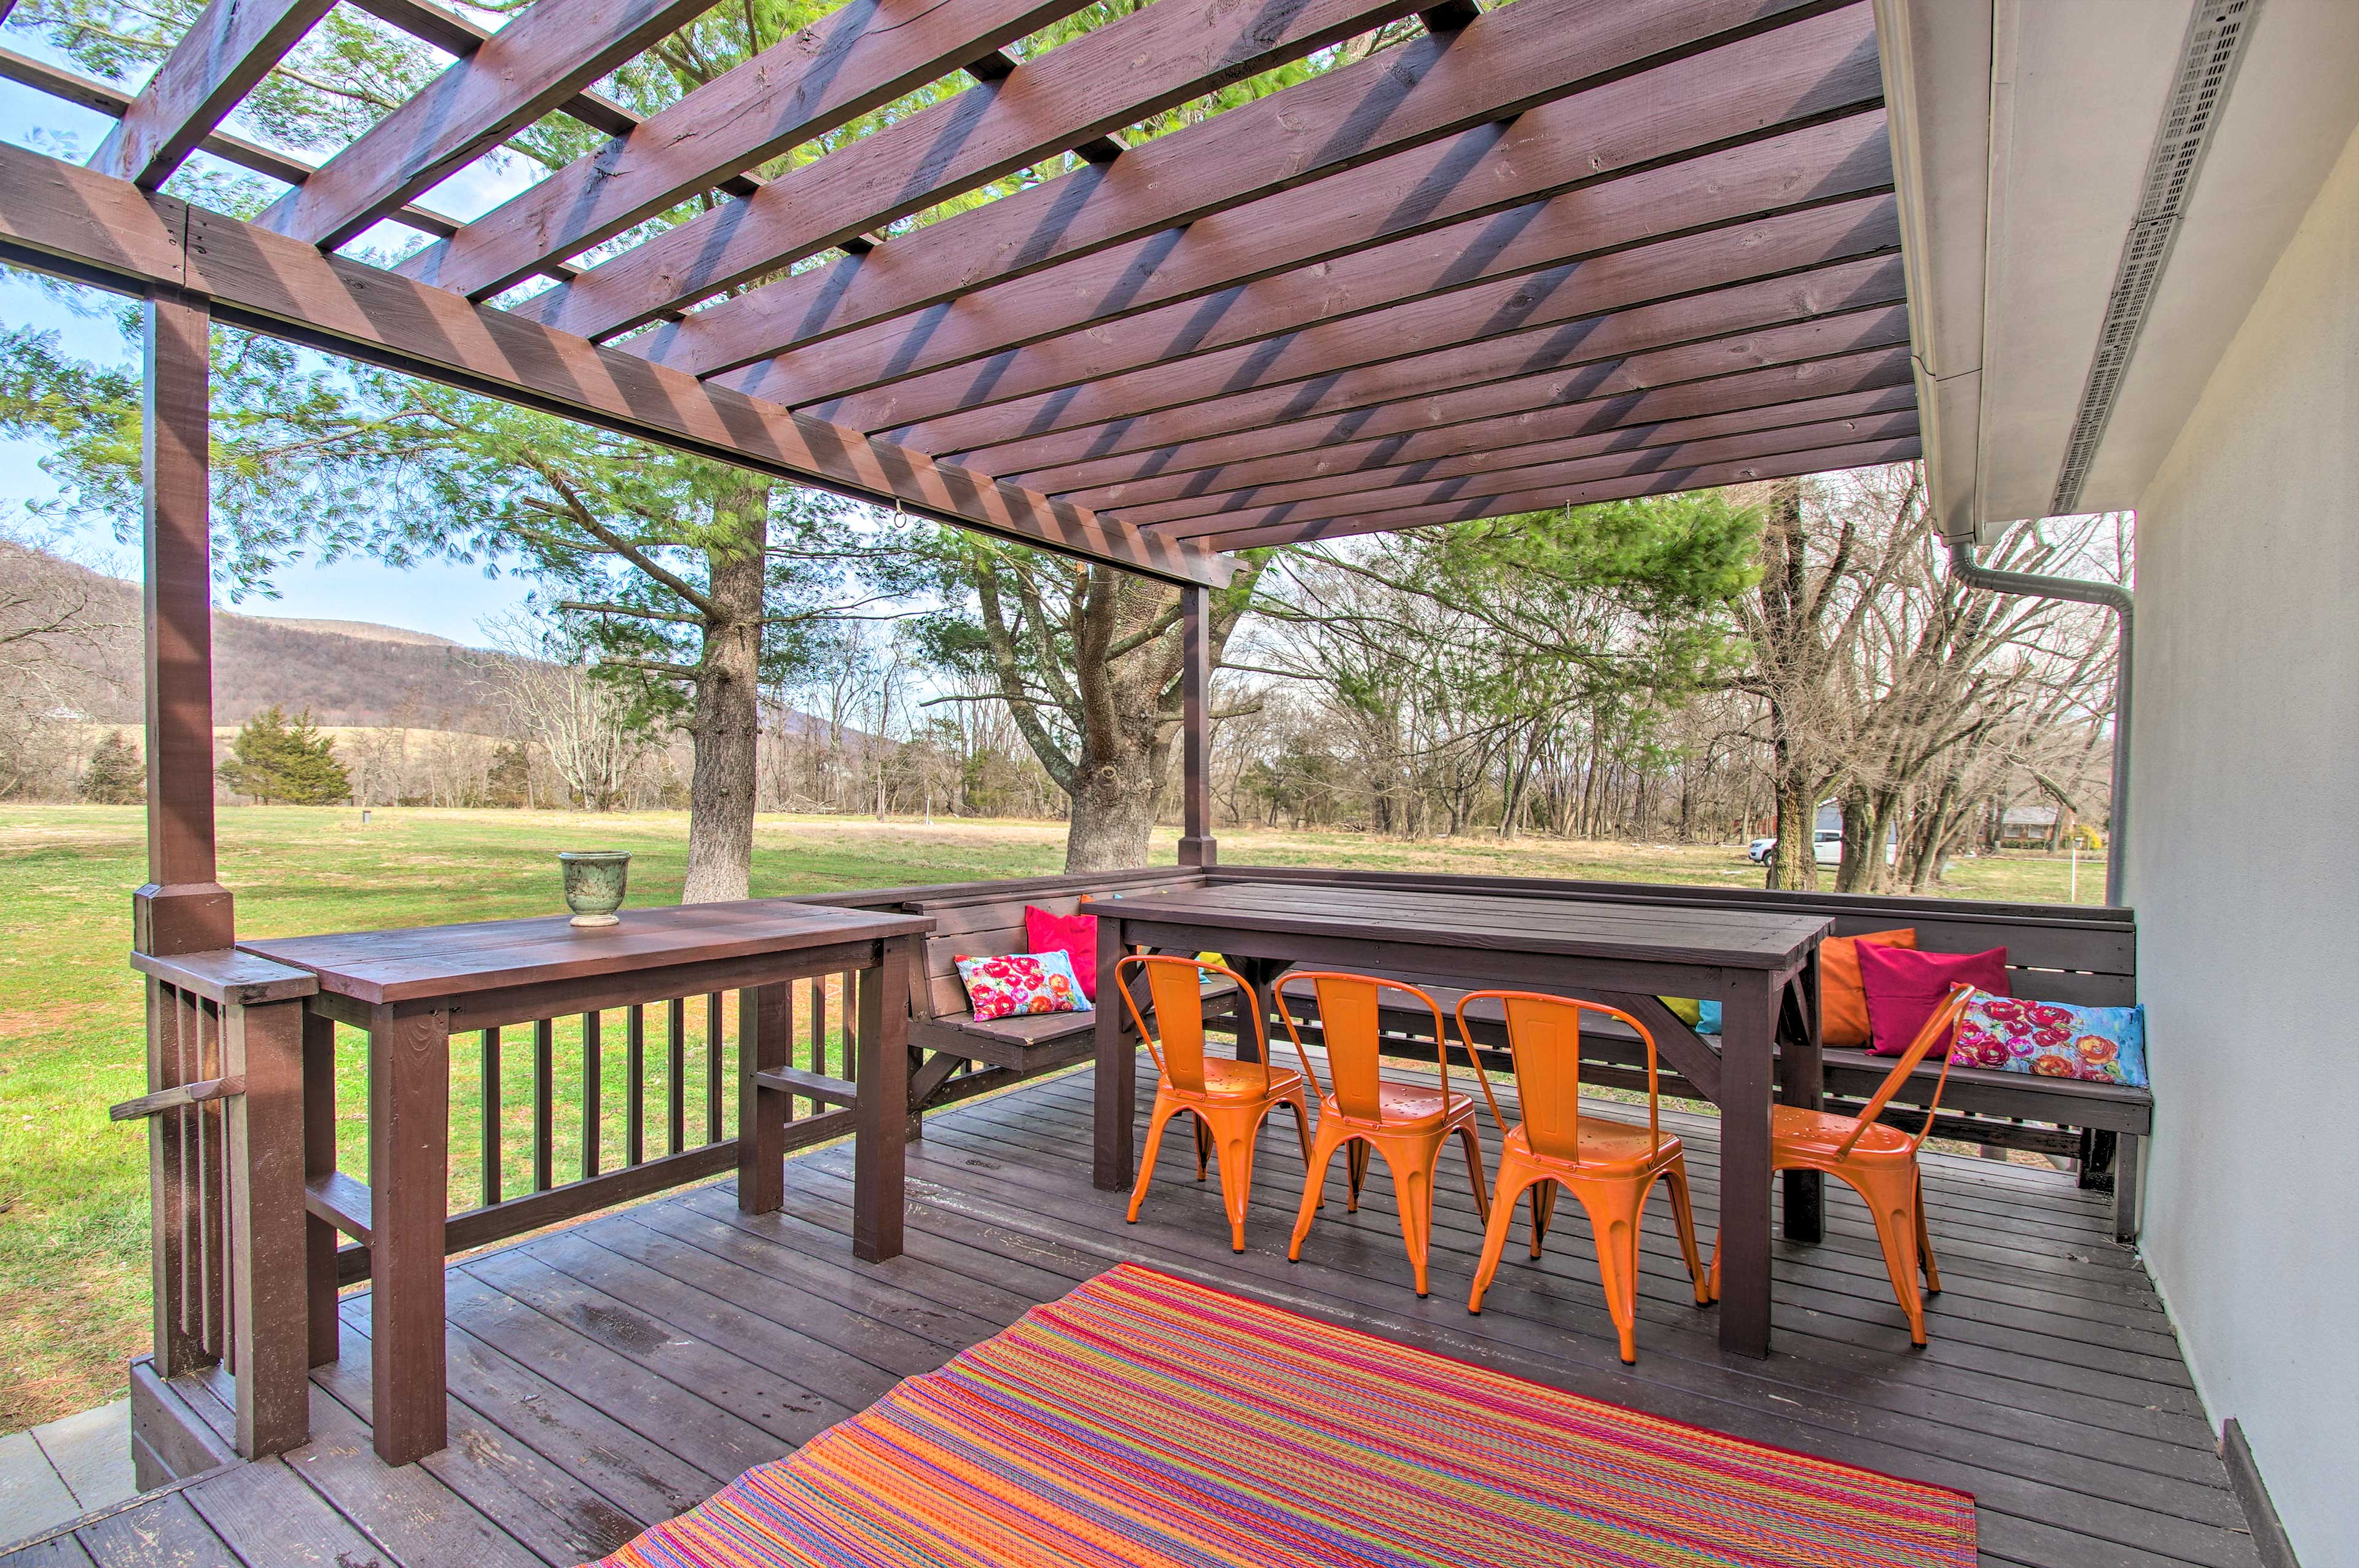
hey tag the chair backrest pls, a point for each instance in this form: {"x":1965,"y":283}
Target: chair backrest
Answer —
{"x":1544,"y":1036}
{"x":1939,"y":1030}
{"x":1350,"y":1026}
{"x":1176,"y":986}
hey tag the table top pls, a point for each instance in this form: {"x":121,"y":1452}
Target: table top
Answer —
{"x":1666,"y":934}
{"x":492,"y":955}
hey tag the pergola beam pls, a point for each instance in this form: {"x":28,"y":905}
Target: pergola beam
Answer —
{"x":457,"y":36}
{"x":1710,"y":476}
{"x":863,"y":56}
{"x":1320,"y":500}
{"x":1813,"y":70}
{"x":1781,"y":365}
{"x":1702,"y":286}
{"x":1113,"y":76}
{"x":60,"y":218}
{"x":1493,"y":70}
{"x":520,"y":73}
{"x":1445,"y":286}
{"x":1371,"y":467}
{"x":231,"y":46}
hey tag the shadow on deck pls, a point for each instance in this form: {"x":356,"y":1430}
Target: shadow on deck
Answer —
{"x":614,"y":1374}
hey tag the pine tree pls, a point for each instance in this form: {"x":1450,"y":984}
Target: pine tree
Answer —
{"x":275,"y":758}
{"x":115,"y":776}
{"x":509,"y":781}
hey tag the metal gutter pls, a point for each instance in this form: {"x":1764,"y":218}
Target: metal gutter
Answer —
{"x":2117,"y":599}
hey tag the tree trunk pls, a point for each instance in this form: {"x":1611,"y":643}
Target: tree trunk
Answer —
{"x":1861,"y":842}
{"x":727,"y":722}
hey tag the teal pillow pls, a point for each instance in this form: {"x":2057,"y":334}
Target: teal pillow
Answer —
{"x":2052,"y":1040}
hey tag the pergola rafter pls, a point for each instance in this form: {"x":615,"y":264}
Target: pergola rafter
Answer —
{"x":1111,"y":77}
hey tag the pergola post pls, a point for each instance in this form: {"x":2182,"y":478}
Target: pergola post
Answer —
{"x":182,"y":909}
{"x":1197,"y":845}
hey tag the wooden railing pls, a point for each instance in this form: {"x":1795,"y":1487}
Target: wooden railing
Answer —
{"x":224,"y":1113}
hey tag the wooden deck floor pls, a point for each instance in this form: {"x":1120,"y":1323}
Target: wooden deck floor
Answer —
{"x":615,"y":1373}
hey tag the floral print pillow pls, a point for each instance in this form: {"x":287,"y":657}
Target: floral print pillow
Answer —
{"x":1016,"y":983}
{"x":2052,"y":1040}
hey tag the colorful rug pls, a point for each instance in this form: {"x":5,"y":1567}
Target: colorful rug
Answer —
{"x":1144,"y":1419}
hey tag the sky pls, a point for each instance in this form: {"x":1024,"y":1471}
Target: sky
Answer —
{"x":446,"y":600}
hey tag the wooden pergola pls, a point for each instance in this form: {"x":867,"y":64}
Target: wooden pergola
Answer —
{"x":1556,"y":252}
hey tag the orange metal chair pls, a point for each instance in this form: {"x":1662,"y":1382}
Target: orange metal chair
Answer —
{"x":1407,"y":1123}
{"x":1611,"y":1166}
{"x":1879,"y":1162}
{"x":1228,"y":1098}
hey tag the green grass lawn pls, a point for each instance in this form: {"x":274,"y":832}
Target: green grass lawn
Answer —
{"x":73,"y":1224}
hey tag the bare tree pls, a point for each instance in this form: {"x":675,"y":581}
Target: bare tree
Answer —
{"x":580,"y":722}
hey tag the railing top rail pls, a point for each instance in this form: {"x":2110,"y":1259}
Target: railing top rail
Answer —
{"x":229,"y":976}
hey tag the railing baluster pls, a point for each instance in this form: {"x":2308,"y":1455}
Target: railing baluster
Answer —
{"x":819,"y":1024}
{"x":491,"y":1116}
{"x":201,"y":1318}
{"x":217,"y":1188}
{"x":635,"y":1087}
{"x":712,"y":1067}
{"x":674,"y":1078}
{"x":590,"y":1069}
{"x":544,"y":1104}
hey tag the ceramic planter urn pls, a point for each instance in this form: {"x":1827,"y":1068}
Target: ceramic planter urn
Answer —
{"x":594,"y":880}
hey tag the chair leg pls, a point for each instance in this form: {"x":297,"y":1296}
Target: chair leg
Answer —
{"x":1203,"y":1144}
{"x":1412,"y":1173}
{"x":1303,"y":1127}
{"x":1513,"y":1178}
{"x":1890,"y":1197}
{"x":1314,"y":1182}
{"x":1614,"y":1210}
{"x":1925,"y":1243}
{"x":1235,"y":1143}
{"x":1683,"y":1215}
{"x":1474,"y":1146}
{"x":1355,"y":1171}
{"x":1543,"y":1212}
{"x":1164,"y":1112}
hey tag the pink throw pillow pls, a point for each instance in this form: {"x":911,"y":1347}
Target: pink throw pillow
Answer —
{"x":1075,"y":935}
{"x":1904,"y":988}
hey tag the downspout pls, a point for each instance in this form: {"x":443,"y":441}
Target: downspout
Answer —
{"x":2117,"y":599}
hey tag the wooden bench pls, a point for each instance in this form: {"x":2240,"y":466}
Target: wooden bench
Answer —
{"x":2086,"y":955}
{"x":955,"y":1055}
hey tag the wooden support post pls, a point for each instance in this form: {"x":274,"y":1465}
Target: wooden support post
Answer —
{"x":1197,"y":845}
{"x":1748,"y":1028}
{"x":409,"y":1132}
{"x":181,"y":909}
{"x":881,"y":1112}
{"x":766,"y":1040}
{"x":268,"y":1345}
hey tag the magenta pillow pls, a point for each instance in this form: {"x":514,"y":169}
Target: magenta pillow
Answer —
{"x":1904,"y":988}
{"x":1075,"y":935}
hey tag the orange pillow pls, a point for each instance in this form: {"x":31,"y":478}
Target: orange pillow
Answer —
{"x":1842,"y":1002}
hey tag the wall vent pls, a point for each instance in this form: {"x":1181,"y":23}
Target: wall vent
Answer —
{"x":2216,"y":36}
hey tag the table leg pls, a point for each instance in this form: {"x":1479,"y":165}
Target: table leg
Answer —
{"x":1259,"y":973}
{"x":1748,"y":1029}
{"x":1111,"y":1155}
{"x":766,"y":1041}
{"x":409,"y":1131}
{"x":1801,"y":1082}
{"x":881,"y":1112}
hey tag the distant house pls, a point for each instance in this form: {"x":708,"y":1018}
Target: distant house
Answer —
{"x":2030,"y":827}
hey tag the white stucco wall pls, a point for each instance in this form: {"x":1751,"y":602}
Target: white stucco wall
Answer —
{"x":2244,"y":866}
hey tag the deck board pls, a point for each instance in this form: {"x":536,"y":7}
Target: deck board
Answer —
{"x":611,"y":1373}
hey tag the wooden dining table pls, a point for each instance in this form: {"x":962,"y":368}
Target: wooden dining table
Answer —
{"x":1626,"y":955}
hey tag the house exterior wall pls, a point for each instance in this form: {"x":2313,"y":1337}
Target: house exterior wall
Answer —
{"x":2247,"y":670}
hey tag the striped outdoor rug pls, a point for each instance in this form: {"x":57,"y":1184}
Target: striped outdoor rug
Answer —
{"x":1144,"y":1419}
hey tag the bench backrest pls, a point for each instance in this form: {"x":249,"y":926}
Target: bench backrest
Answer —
{"x":976,"y":924}
{"x":2054,"y":952}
